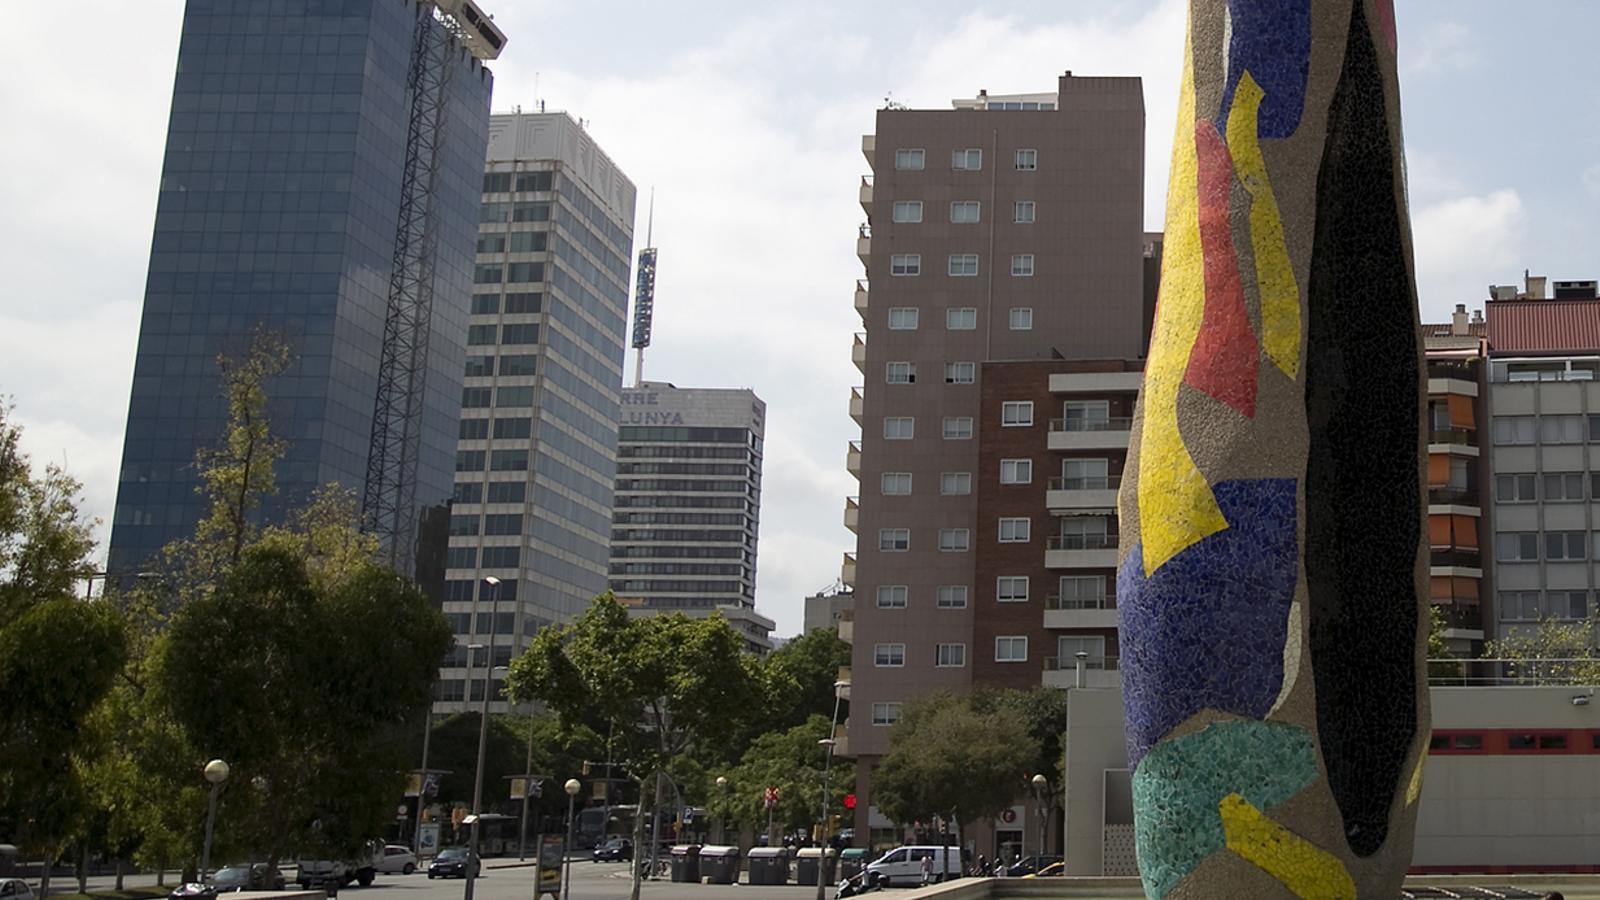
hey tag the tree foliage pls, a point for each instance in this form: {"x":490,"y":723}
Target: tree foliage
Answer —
{"x":950,"y":757}
{"x":1551,"y":651}
{"x":800,"y":677}
{"x":791,"y":761}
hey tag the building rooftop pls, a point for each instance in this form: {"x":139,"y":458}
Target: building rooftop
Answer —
{"x":1538,"y":326}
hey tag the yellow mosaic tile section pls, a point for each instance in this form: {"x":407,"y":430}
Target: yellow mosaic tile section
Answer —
{"x":1414,"y":789}
{"x":1308,"y":871}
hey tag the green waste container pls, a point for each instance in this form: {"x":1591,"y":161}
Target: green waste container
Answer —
{"x":851,"y":861}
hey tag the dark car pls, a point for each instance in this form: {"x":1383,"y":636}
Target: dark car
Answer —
{"x":453,"y":862}
{"x":1030,"y":864}
{"x":614,"y":850}
{"x":258,"y":877}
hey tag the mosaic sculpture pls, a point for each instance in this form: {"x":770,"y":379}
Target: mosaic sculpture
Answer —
{"x":1272,"y":592}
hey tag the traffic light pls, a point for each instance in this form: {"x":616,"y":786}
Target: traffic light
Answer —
{"x":849,"y":801}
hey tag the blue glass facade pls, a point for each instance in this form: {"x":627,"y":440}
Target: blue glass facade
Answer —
{"x":278,"y":207}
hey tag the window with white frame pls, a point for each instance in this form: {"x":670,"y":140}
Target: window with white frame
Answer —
{"x":1086,"y":415}
{"x":1011,"y":648}
{"x":954,"y":540}
{"x":1011,"y":588}
{"x":963,"y":265}
{"x":965,"y":212}
{"x":1016,"y":412}
{"x":909,"y":159}
{"x":894,"y":540}
{"x":1022,"y":265}
{"x":960,"y":373}
{"x":970,"y":160}
{"x":950,"y":656}
{"x":892,"y":596}
{"x":952,"y":484}
{"x":958,"y":428}
{"x":885,"y":714}
{"x":905,"y":264}
{"x":907,"y":211}
{"x":1023,"y":212}
{"x":903,"y":318}
{"x":888,"y":656}
{"x":900,"y":372}
{"x":1020,"y":318}
{"x":895,"y":484}
{"x":899,"y":428}
{"x":960,"y":318}
{"x":1016,"y":471}
{"x":1027,"y":160}
{"x":952,"y":596}
{"x":1085,"y":474}
{"x":1015,"y":530}
{"x":1094,"y":649}
{"x":1082,"y":592}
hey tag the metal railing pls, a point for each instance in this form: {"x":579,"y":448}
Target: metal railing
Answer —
{"x":1500,"y":672}
{"x":1078,"y":425}
{"x":1461,"y":496}
{"x":1465,"y":437}
{"x":1082,"y":542}
{"x":1070,"y":663}
{"x":1458,"y":370}
{"x":1086,"y":483}
{"x":1099,"y":601}
{"x":1466,"y":557}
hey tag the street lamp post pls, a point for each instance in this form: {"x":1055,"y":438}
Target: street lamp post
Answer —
{"x":722,"y":811}
{"x":216,"y":772}
{"x":483,"y":734}
{"x":839,"y":688}
{"x":1040,"y":783}
{"x":572,"y":788}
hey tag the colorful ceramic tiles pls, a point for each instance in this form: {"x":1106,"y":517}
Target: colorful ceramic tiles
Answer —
{"x":1272,"y":590}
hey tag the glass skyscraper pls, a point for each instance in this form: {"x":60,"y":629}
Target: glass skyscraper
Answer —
{"x":280,"y":203}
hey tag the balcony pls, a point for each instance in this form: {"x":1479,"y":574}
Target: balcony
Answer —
{"x":1089,"y":434}
{"x":1451,"y":495}
{"x":857,"y":404}
{"x":1452,"y":377}
{"x":866,"y":195}
{"x":1098,"y":672}
{"x":1094,"y":492}
{"x":852,"y":459}
{"x":861,"y":299}
{"x":1463,"y":561}
{"x":869,"y":147}
{"x":1081,"y":551}
{"x":864,"y":244}
{"x":1096,"y":382}
{"x":1080,"y":612}
{"x":847,"y":628}
{"x":852,"y":512}
{"x":1461,"y":441}
{"x":847,"y":571}
{"x":858,"y":351}
{"x":1462,"y":617}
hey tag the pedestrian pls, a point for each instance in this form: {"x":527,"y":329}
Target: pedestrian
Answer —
{"x":983,"y":866}
{"x":927,"y":868}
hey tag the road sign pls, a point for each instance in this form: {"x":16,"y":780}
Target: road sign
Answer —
{"x":428,"y":839}
{"x":402,"y":811}
{"x":770,"y":798}
{"x":552,"y":850}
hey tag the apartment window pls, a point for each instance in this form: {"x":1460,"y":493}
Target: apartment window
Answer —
{"x":1084,"y":533}
{"x":507,"y":491}
{"x":895,"y":484}
{"x":1516,"y":546}
{"x":1022,"y":266}
{"x":1011,"y":648}
{"x":485,"y":304}
{"x":889,"y":656}
{"x":1011,"y":589}
{"x":909,"y":160}
{"x":952,"y":596}
{"x":955,"y":483}
{"x":1093,"y":649}
{"x":1016,"y":471}
{"x":1085,"y":474}
{"x":950,"y":656}
{"x":519,"y":364}
{"x":530,"y":241}
{"x":960,"y":373}
{"x":960,"y":318}
{"x":502,"y":557}
{"x":1016,"y":413}
{"x":1560,"y":429}
{"x":524,"y":301}
{"x":525,"y":271}
{"x":1015,"y":530}
{"x":885,"y":714}
{"x":1027,"y":160}
{"x":502,"y":524}
{"x":1023,"y":212}
{"x":1020,"y":318}
{"x":481,"y":335}
{"x":899,"y":428}
{"x":908,"y":210}
{"x":1082,"y":591}
{"x":967,"y":160}
{"x":470,"y":460}
{"x":900,"y":372}
{"x":1516,"y":488}
{"x":1086,"y":415}
{"x":958,"y":428}
{"x":1565,"y":545}
{"x":892,"y":596}
{"x":894,"y":540}
{"x":1563,"y":486}
{"x":1514,"y":429}
{"x":905,"y":264}
{"x":903,"y":318}
{"x":513,"y":396}
{"x":965,"y":212}
{"x":519,"y":334}
{"x":509,"y":461}
{"x":963,"y":265}
{"x":488,"y":275}
{"x":1530,"y":606}
{"x":473,"y":430}
{"x":954,"y":540}
{"x":1594,"y":429}
{"x":479,"y":366}
{"x":513,"y":429}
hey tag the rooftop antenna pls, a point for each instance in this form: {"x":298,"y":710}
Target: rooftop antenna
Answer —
{"x":644,"y":294}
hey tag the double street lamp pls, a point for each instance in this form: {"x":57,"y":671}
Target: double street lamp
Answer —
{"x":216,"y":772}
{"x":840,"y":689}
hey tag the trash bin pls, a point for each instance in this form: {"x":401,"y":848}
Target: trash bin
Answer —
{"x":812,"y":859}
{"x":686,"y":863}
{"x":720,"y":864}
{"x":768,"y":865}
{"x":851,"y":861}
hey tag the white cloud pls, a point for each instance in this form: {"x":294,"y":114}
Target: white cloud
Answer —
{"x":1463,"y":244}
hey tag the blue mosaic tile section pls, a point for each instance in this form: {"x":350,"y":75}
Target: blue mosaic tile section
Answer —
{"x":1272,"y":40}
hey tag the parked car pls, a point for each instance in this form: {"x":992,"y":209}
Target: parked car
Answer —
{"x":1050,"y":871}
{"x":614,"y":850}
{"x":396,"y":858}
{"x":340,"y":872}
{"x":257,"y":877}
{"x":15,"y":889}
{"x":453,"y":862}
{"x":1030,"y":864}
{"x":193,"y":890}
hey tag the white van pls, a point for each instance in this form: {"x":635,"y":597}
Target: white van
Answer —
{"x":903,"y":865}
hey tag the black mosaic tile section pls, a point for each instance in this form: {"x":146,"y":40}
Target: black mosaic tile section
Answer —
{"x":1363,"y":500}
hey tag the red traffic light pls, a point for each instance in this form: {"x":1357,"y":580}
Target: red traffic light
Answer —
{"x":849,"y":801}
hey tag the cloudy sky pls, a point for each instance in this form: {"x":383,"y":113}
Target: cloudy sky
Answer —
{"x":746,"y":118}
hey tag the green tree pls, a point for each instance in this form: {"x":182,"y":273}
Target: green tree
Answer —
{"x":791,"y":761}
{"x":1553,"y":651}
{"x":800,"y":676}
